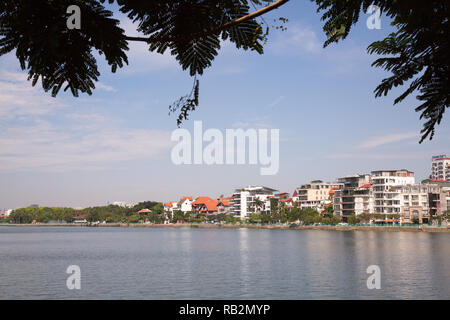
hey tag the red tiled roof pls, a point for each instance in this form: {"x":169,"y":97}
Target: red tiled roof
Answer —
{"x":201,"y":200}
{"x":189,"y":198}
{"x":224,"y":202}
{"x":168,"y":204}
{"x":211,"y":205}
{"x":366,"y":186}
{"x":144,"y":211}
{"x":286,"y":200}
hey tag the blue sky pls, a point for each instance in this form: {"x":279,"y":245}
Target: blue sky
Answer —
{"x":115,"y":145}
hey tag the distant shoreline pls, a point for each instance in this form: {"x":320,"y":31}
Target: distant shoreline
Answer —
{"x":244,"y":226}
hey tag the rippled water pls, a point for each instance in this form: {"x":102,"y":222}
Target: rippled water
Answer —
{"x":148,"y":263}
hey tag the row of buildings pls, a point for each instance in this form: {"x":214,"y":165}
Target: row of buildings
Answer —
{"x":384,"y":192}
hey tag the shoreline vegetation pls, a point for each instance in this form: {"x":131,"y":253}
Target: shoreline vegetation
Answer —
{"x":409,"y":228}
{"x":152,"y":214}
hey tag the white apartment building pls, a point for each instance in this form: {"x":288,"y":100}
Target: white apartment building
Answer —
{"x":243,"y":203}
{"x":387,"y":197}
{"x":440,"y":168}
{"x":315,"y":195}
{"x":354,"y":195}
{"x":363,"y":199}
{"x":419,"y":201}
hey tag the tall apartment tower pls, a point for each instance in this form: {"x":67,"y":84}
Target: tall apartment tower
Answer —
{"x":440,"y":168}
{"x":386,"y":194}
{"x":355,"y":195}
{"x":243,"y":203}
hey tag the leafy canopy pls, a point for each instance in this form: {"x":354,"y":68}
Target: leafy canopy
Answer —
{"x":417,"y":54}
{"x":191,"y":30}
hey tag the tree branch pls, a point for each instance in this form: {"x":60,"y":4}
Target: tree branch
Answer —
{"x":225,"y":26}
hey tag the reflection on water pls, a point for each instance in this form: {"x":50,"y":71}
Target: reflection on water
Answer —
{"x":147,"y":263}
{"x":244,"y":269}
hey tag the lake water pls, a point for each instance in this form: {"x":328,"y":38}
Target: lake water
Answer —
{"x":151,"y":263}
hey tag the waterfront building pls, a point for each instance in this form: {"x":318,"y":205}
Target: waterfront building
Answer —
{"x":243,"y":204}
{"x":224,"y":205}
{"x":354,"y":195}
{"x":315,"y":195}
{"x":204,"y":205}
{"x":387,"y":198}
{"x":421,"y":201}
{"x":445,"y":192}
{"x":185,"y":204}
{"x":445,"y":200}
{"x":440,"y":168}
{"x":6,"y":213}
{"x":80,"y":219}
{"x":281,"y":195}
{"x":170,"y":207}
{"x":287,"y":202}
{"x":209,"y":207}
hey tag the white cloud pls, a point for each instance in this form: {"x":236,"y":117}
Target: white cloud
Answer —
{"x":343,"y":58}
{"x":386,"y":139}
{"x":18,"y":98}
{"x":296,"y":38}
{"x":85,"y":141}
{"x":46,"y":147}
{"x":105,"y":87}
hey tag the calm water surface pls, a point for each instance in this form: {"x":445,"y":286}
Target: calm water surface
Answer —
{"x":147,"y":263}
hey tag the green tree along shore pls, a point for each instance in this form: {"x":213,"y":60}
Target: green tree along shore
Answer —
{"x":110,"y":213}
{"x":118,"y":214}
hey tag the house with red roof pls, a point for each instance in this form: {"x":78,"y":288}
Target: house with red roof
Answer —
{"x":185,"y":204}
{"x":206,"y":208}
{"x":224,"y":205}
{"x":281,"y":195}
{"x":170,"y":207}
{"x":204,"y":205}
{"x":288,"y":202}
